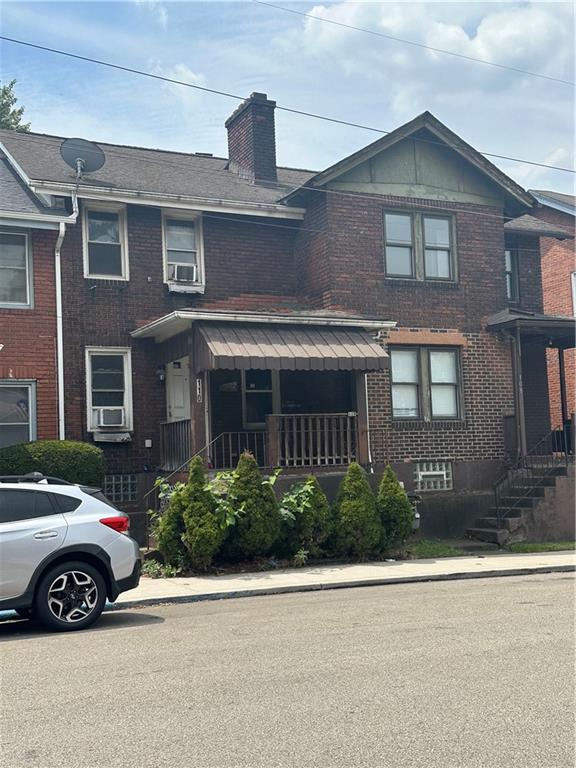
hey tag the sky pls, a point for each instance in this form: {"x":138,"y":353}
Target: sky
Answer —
{"x":306,"y":64}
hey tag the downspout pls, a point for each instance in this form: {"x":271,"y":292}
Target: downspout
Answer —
{"x":59,"y":323}
{"x":368,"y":435}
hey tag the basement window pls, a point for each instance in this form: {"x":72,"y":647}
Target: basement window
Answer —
{"x":433,"y":476}
{"x":120,"y":489}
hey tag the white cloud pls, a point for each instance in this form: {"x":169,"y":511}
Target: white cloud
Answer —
{"x":157,"y":10}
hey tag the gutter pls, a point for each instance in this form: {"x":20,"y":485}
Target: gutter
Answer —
{"x":59,"y":322}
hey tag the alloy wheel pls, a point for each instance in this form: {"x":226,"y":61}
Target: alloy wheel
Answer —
{"x":72,"y":596}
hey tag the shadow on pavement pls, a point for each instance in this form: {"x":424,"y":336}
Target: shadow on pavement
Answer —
{"x":12,"y":626}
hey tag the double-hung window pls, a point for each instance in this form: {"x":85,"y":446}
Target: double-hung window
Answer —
{"x":511,"y":271}
{"x":259,"y":394}
{"x":419,"y":246}
{"x":105,"y":243}
{"x":17,"y":412}
{"x":109,"y":388}
{"x":183,"y":268}
{"x":425,"y":383}
{"x":15,"y":270}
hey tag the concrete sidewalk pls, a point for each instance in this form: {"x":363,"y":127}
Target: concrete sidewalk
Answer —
{"x":197,"y":588}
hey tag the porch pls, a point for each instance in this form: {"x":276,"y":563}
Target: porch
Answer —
{"x":294,"y":397}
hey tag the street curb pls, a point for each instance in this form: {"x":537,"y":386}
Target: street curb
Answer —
{"x":260,"y":591}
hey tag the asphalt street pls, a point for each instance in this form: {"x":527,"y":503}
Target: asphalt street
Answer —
{"x":460,"y":674}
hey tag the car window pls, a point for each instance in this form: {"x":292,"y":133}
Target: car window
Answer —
{"x":66,"y":503}
{"x":96,"y":493}
{"x":24,"y":505}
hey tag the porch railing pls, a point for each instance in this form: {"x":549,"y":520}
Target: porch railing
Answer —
{"x":226,"y":449}
{"x":175,"y":443}
{"x":312,"y":440}
{"x":519,"y":481}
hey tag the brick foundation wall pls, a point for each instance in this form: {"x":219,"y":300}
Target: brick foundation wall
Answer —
{"x":558,"y":263}
{"x":29,"y":336}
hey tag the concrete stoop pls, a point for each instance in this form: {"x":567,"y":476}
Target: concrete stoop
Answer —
{"x":541,"y":510}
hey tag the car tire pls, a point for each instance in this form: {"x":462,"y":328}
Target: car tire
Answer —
{"x":70,"y":596}
{"x":24,"y":613}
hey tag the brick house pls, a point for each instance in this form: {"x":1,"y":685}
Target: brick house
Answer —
{"x":559,"y":284}
{"x":386,"y":309}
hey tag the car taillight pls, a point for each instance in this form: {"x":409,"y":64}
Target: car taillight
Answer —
{"x":120,"y":523}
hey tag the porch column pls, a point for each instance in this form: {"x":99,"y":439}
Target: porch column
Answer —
{"x":198,"y":397}
{"x":362,"y":436}
{"x":519,"y":393}
{"x":563,"y":395}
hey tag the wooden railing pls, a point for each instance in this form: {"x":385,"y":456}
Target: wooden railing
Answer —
{"x":312,"y":440}
{"x":226,"y":449}
{"x":175,"y":443}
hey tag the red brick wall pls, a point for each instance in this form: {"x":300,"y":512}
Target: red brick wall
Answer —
{"x":558,"y":263}
{"x":29,"y":337}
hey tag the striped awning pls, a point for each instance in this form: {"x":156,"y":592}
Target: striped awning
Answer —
{"x":284,"y":347}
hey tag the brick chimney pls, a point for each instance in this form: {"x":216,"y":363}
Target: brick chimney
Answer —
{"x":252,"y":140}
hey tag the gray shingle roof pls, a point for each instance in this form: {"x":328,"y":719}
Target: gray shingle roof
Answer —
{"x":558,"y":197}
{"x":149,"y":170}
{"x":15,"y":197}
{"x":530,"y":225}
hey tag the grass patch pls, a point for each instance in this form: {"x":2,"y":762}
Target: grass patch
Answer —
{"x":432,"y":548}
{"x":541,"y":546}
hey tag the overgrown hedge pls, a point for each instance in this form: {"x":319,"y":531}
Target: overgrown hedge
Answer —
{"x":70,"y":460}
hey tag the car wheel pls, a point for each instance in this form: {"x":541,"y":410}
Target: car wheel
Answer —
{"x":70,"y":596}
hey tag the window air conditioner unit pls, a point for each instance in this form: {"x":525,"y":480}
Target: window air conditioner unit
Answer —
{"x":110,"y":417}
{"x":184,"y":273}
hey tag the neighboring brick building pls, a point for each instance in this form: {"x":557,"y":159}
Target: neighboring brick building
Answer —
{"x":559,"y":283}
{"x":374,"y":311}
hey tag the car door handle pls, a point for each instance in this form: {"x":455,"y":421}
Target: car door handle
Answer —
{"x":46,"y":535}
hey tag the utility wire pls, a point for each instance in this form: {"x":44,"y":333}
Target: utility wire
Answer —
{"x":243,"y":98}
{"x":412,"y":42}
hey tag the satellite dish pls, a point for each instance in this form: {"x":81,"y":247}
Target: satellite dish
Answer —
{"x":81,"y":155}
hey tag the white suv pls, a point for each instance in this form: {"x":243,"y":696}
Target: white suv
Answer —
{"x":64,"y":550}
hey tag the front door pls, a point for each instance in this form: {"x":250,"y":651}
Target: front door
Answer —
{"x":178,"y":390}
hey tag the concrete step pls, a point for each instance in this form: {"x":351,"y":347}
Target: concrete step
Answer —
{"x":534,"y":481}
{"x":508,"y":523}
{"x":515,"y":502}
{"x":495,"y":535}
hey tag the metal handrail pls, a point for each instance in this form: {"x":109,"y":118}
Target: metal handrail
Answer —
{"x":544,"y":457}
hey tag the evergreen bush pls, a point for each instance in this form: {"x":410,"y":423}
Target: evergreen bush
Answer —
{"x":169,"y":528}
{"x":71,"y":460}
{"x":203,"y":530}
{"x":395,"y":510}
{"x":358,"y":530}
{"x":258,"y":525}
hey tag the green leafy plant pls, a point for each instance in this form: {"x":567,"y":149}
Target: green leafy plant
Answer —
{"x":306,"y":517}
{"x":358,"y":530}
{"x":70,"y":460}
{"x":300,"y":558}
{"x":204,"y":525}
{"x":156,"y":570}
{"x":395,"y":510}
{"x":10,"y":114}
{"x":169,"y":524}
{"x":257,"y":519}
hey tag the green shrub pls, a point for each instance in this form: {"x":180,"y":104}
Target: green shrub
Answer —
{"x":203,"y":530}
{"x":357,"y":525}
{"x":306,"y":515}
{"x":70,"y":460}
{"x":169,"y":528}
{"x":395,"y":510}
{"x":258,"y":523}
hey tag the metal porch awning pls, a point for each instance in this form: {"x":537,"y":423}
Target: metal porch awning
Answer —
{"x":284,"y":347}
{"x":556,"y":331}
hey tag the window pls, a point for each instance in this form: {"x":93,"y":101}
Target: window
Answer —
{"x":17,"y":412}
{"x":574,"y":293}
{"x":24,"y":505}
{"x":259,"y":392}
{"x":66,"y":503}
{"x":120,"y":489}
{"x":183,"y":268}
{"x":511,"y":268}
{"x":419,"y":246}
{"x":433,"y":476}
{"x":399,"y":246}
{"x":109,"y":385}
{"x":105,"y":243}
{"x":15,"y":270}
{"x":425,"y":383}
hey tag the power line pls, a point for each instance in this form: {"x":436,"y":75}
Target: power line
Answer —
{"x":243,"y":98}
{"x":413,"y":42}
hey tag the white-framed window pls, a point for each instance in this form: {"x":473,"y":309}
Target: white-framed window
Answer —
{"x":260,"y":397}
{"x":419,"y":246}
{"x":120,"y":489}
{"x":183,"y":252}
{"x":433,"y":476}
{"x":109,"y":388}
{"x":105,"y":240}
{"x":15,"y":270}
{"x":426,"y":383}
{"x":17,"y":411}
